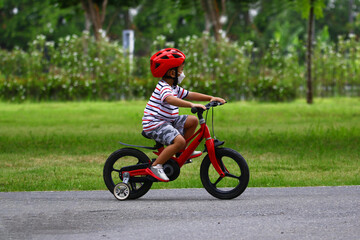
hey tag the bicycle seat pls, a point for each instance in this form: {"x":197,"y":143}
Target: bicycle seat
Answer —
{"x":157,"y":145}
{"x":144,"y":135}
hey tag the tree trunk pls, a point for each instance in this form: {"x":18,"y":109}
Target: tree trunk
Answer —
{"x":87,"y":22}
{"x":94,"y":14}
{"x":309,"y":96}
{"x":212,"y":15}
{"x":207,"y":18}
{"x":351,"y":16}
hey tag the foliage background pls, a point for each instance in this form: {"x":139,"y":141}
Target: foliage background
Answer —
{"x":79,"y":68}
{"x":48,"y":51}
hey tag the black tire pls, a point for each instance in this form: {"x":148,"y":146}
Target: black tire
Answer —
{"x":236,"y":170}
{"x":121,"y":158}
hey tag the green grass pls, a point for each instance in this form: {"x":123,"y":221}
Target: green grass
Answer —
{"x":63,"y":146}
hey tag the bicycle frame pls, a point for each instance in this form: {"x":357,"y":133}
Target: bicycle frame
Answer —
{"x":197,"y":138}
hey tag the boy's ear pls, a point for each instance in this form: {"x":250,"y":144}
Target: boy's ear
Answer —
{"x":172,"y":73}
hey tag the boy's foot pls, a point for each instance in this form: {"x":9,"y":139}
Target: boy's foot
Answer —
{"x":192,"y":155}
{"x":195,"y":153}
{"x":159,"y":172}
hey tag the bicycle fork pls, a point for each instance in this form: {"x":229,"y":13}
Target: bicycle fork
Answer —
{"x":210,"y":146}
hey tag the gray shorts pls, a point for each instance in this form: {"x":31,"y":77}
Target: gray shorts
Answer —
{"x":168,"y":131}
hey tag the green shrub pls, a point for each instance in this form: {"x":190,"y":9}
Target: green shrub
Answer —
{"x":268,"y":89}
{"x":79,"y":68}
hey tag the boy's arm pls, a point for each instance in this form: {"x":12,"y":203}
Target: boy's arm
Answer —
{"x":195,"y":96}
{"x":182,"y":103}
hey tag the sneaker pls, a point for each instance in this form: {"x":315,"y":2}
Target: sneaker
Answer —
{"x":159,"y":172}
{"x":195,"y":153}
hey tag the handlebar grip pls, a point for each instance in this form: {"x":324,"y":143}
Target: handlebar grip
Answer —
{"x":208,"y":106}
{"x":194,"y":110}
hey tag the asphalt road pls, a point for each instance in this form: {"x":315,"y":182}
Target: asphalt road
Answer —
{"x":259,"y":213}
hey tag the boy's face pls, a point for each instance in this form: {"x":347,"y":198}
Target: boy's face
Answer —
{"x":180,"y":70}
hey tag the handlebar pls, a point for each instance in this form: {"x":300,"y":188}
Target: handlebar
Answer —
{"x":208,"y":106}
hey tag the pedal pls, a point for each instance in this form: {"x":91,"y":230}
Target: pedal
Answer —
{"x":188,"y":161}
{"x":126,"y":177}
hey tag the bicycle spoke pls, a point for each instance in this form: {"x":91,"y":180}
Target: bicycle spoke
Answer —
{"x":232,"y":175}
{"x":218,"y":180}
{"x":223,"y":167}
{"x":116,"y":170}
{"x":133,"y":186}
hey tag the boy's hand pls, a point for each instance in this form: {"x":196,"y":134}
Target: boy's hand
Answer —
{"x":198,"y":106}
{"x":217,"y":99}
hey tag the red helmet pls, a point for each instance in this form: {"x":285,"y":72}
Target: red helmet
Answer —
{"x":164,"y":60}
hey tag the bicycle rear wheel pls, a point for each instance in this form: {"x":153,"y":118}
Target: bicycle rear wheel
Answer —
{"x":236,"y":174}
{"x":121,"y":158}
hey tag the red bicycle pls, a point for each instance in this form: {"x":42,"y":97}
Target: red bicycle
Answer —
{"x":224,"y":172}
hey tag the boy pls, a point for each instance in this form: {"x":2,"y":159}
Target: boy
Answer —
{"x":161,"y":120}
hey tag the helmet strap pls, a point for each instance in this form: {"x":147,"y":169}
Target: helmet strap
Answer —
{"x":176,"y":78}
{"x":175,"y":83}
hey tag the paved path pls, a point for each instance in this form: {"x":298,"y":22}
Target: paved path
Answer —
{"x":260,"y":213}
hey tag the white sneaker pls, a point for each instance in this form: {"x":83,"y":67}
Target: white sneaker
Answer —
{"x":195,"y":153}
{"x":192,"y":156}
{"x":159,"y":172}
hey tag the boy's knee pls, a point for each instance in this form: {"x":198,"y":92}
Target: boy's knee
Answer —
{"x":192,"y":121}
{"x":180,"y":142}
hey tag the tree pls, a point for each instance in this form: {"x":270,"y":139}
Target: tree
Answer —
{"x":278,"y":20}
{"x":169,"y":18}
{"x":95,"y":14}
{"x":309,"y":95}
{"x":309,"y":9}
{"x":22,"y":20}
{"x":96,"y":11}
{"x":220,"y":15}
{"x":214,"y":15}
{"x":340,"y":16}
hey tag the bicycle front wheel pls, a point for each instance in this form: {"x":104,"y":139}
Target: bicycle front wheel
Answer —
{"x":236,"y":174}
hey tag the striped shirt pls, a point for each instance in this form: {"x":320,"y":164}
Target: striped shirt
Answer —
{"x":157,"y":110}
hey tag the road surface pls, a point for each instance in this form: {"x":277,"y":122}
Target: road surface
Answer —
{"x":259,"y":213}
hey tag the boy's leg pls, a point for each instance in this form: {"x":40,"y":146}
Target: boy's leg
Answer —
{"x":190,"y":126}
{"x":166,"y":154}
{"x":167,"y":135}
{"x":169,"y":151}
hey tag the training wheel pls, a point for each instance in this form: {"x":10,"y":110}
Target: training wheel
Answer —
{"x":121,"y":191}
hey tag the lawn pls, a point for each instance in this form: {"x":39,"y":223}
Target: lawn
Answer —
{"x":63,"y":146}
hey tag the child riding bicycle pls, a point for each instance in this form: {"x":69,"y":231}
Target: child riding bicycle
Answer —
{"x":161,"y":120}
